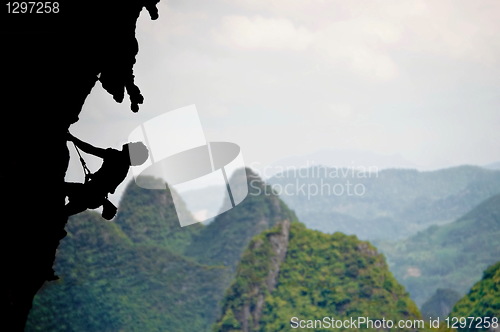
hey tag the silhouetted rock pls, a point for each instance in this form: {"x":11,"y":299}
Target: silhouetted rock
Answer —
{"x":50,"y":63}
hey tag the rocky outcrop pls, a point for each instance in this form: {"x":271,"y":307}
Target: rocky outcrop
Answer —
{"x":291,"y":271}
{"x":257,"y":276}
{"x":252,"y":311}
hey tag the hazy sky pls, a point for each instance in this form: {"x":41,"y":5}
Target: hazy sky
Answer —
{"x":290,"y":77}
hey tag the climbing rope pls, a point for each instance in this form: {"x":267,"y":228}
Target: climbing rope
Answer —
{"x":86,"y":170}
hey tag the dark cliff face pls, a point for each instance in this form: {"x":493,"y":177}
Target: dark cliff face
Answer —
{"x":49,"y":66}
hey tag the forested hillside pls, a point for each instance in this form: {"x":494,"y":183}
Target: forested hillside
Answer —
{"x":482,"y":301}
{"x":451,"y":256}
{"x":251,"y":268}
{"x":321,"y":275}
{"x":383,"y":204}
{"x":144,"y":272}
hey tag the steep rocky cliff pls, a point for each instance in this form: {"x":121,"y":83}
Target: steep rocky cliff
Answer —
{"x":50,"y":63}
{"x":260,"y":265}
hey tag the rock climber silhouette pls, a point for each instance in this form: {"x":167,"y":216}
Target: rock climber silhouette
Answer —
{"x":94,"y":192}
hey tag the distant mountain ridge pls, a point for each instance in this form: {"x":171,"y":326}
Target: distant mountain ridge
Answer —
{"x":448,"y":256}
{"x":388,"y":204}
{"x":339,"y":158}
{"x":493,"y":165}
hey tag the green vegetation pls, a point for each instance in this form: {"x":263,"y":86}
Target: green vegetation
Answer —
{"x":108,"y":283}
{"x":322,"y":276}
{"x":143,"y":272}
{"x":149,"y":217}
{"x":383,"y":205}
{"x":449,"y":256}
{"x":483,"y":300}
{"x":224,"y":240}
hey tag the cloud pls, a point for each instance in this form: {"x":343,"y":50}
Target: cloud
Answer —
{"x":367,"y":36}
{"x":359,"y":45}
{"x":263,"y":33}
{"x":464,"y":32}
{"x":362,"y":45}
{"x":283,"y":77}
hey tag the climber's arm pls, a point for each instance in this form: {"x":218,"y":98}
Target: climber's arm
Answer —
{"x":86,"y":147}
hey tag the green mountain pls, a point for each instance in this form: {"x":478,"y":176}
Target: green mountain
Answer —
{"x":291,"y":271}
{"x":110,"y":283}
{"x":224,"y":240}
{"x":449,"y":256}
{"x":482,"y":301}
{"x":383,"y":204}
{"x":149,"y":217}
{"x":143,"y":272}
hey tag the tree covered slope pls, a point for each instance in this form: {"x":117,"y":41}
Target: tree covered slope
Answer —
{"x":142,"y":271}
{"x":383,"y":204}
{"x":291,"y":271}
{"x":483,"y":300}
{"x":448,"y":256}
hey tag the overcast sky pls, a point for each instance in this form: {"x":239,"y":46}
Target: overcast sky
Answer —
{"x":290,"y":77}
